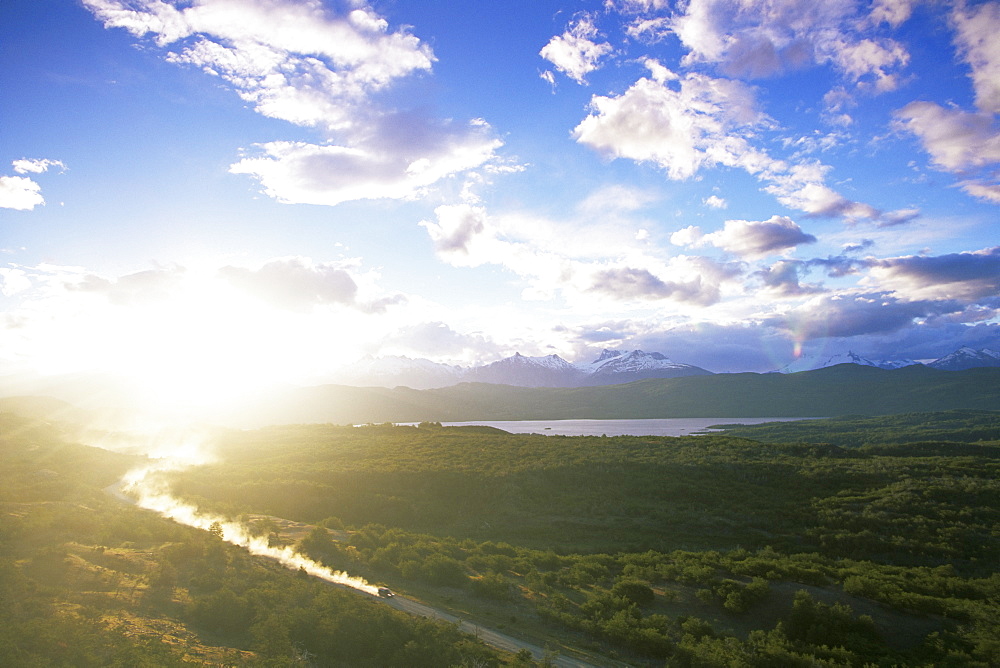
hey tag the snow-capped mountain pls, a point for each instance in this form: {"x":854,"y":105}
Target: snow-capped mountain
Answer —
{"x":614,"y":367}
{"x":850,"y":357}
{"x":967,"y":358}
{"x":548,"y":371}
{"x":393,"y":371}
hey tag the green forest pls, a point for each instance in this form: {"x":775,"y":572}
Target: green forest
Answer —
{"x":855,"y":541}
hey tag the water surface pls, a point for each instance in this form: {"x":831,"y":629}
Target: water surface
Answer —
{"x":652,"y":427}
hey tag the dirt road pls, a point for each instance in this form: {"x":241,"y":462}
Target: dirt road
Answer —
{"x":489,"y":636}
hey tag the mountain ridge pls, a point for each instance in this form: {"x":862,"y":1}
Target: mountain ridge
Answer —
{"x":612,"y":367}
{"x":844,"y":389}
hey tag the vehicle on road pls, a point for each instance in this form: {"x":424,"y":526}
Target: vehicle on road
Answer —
{"x":385,"y":592}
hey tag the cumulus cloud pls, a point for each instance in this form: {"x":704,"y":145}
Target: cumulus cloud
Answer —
{"x":892,"y":12}
{"x":439,"y":339}
{"x":599,"y":251}
{"x":966,"y":143}
{"x":959,"y":142}
{"x":962,"y":276}
{"x":292,"y":58}
{"x":677,"y":123}
{"x":684,"y":124}
{"x":456,"y":227}
{"x":802,"y":186}
{"x":761,"y":38}
{"x":141,"y":287}
{"x":20,"y":192}
{"x":783,"y":279}
{"x":13,"y":280}
{"x":295,"y":283}
{"x":575,"y":53}
{"x":629,"y":283}
{"x":36,"y":166}
{"x":715,"y":202}
{"x":848,"y":315}
{"x":976,"y":28}
{"x":304,"y":173}
{"x":751,"y":239}
{"x":304,"y":62}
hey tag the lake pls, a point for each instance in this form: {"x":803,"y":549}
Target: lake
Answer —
{"x":652,"y":427}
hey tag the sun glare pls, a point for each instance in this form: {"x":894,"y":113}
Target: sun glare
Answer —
{"x":203,"y":349}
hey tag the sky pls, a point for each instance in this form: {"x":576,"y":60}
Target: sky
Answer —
{"x":213,"y":193}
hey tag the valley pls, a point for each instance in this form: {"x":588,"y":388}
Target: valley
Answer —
{"x":838,"y":542}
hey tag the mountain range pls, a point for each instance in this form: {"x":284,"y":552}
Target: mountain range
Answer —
{"x":844,"y":389}
{"x":963,"y":358}
{"x":612,"y":367}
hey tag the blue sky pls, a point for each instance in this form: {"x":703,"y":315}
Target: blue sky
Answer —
{"x":235,"y":190}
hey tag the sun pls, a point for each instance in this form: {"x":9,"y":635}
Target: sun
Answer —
{"x":202,"y":351}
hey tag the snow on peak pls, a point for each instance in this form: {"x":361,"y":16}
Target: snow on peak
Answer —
{"x":618,"y":361}
{"x":545,"y":361}
{"x":607,"y":354}
{"x":967,"y":358}
{"x":850,"y":357}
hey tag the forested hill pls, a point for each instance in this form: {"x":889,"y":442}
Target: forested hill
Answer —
{"x":846,"y":389}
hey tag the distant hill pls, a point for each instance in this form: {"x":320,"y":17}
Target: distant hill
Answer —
{"x":846,"y":389}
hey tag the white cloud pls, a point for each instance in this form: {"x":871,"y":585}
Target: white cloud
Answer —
{"x":976,"y":30}
{"x":456,"y":227}
{"x":575,"y":53}
{"x":601,"y":252}
{"x":387,"y":166}
{"x":684,"y":124}
{"x":959,"y":142}
{"x":269,"y":48}
{"x":760,"y":38}
{"x":687,"y":236}
{"x":26,"y":165}
{"x":678,"y":129}
{"x":649,"y":30}
{"x":802,"y":186}
{"x":966,"y":276}
{"x":630,"y":284}
{"x":299,"y":284}
{"x":893,"y":12}
{"x":879,"y":59}
{"x":13,"y":280}
{"x":715,"y":202}
{"x":989,"y":192}
{"x":304,"y":62}
{"x":143,"y":287}
{"x":753,"y":239}
{"x":782,"y":280}
{"x":20,"y":193}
